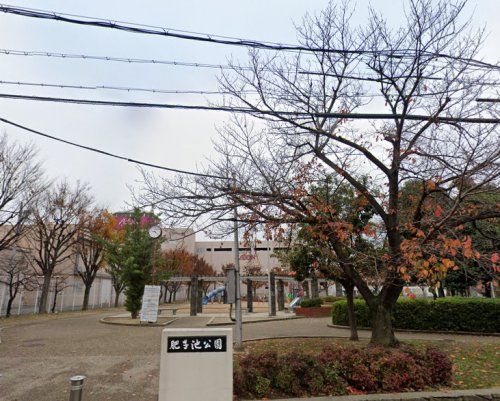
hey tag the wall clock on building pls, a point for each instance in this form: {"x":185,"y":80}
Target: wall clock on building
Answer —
{"x":155,"y":232}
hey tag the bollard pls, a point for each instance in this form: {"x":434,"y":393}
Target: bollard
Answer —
{"x":76,"y":388}
{"x":193,"y":295}
{"x":249,"y":296}
{"x":272,"y":294}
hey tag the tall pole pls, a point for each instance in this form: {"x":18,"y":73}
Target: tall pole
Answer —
{"x":238,"y":335}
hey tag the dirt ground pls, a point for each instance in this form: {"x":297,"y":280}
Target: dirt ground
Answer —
{"x":38,"y":354}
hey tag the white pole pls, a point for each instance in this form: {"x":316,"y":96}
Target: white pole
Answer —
{"x":110,"y":293}
{"x":36,"y":301}
{"x":50,"y":299}
{"x":20,"y":302}
{"x":74,"y":293}
{"x":100,"y":293}
{"x":93,"y":296}
{"x":62,"y":301}
{"x":4,"y":289}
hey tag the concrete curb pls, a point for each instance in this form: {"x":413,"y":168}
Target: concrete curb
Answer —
{"x":461,"y":333}
{"x":291,"y":337}
{"x":487,"y":394}
{"x":103,"y":320}
{"x":257,"y":321}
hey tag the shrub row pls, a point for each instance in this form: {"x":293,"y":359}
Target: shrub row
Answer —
{"x":443,"y":314}
{"x":332,"y":299}
{"x":311,"y":303}
{"x":339,"y":371}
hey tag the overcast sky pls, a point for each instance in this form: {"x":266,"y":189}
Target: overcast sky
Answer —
{"x":178,"y":139}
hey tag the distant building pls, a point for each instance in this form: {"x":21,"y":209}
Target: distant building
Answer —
{"x":259,"y":257}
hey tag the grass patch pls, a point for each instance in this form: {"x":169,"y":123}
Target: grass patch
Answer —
{"x":476,"y":364}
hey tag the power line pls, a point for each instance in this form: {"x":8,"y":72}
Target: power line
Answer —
{"x":105,"y":153}
{"x":218,"y":39}
{"x":116,"y":88}
{"x":176,"y":91}
{"x":248,"y":110}
{"x":488,"y":100}
{"x":71,"y":56}
{"x":31,"y":53}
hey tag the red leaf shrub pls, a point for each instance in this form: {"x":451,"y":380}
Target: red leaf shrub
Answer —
{"x":338,"y":371}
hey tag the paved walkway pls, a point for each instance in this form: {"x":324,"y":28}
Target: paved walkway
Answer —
{"x":38,"y":354}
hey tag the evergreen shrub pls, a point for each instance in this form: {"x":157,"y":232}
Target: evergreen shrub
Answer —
{"x":444,"y":314}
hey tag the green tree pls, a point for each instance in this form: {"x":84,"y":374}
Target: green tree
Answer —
{"x":322,"y":247}
{"x":135,"y":255}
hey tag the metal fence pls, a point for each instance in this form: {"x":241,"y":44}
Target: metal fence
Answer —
{"x":102,"y":295}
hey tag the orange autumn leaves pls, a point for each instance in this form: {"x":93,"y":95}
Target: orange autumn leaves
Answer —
{"x":432,"y":261}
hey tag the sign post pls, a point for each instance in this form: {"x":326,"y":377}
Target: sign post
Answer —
{"x":150,"y":300}
{"x":196,"y":364}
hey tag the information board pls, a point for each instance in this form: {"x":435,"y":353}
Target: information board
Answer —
{"x":197,"y":344}
{"x":150,"y":299}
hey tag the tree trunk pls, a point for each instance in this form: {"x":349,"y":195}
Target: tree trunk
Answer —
{"x":9,"y":307}
{"x":42,"y":307}
{"x":86,"y":296}
{"x":338,"y":289}
{"x":53,"y":309}
{"x":441,"y":290}
{"x":487,"y":290}
{"x":134,"y":314}
{"x":351,"y":314}
{"x":161,"y":294}
{"x":117,"y":298}
{"x":382,"y":329}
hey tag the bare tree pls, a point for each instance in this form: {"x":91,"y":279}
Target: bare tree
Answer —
{"x":393,"y":104}
{"x":21,"y":183}
{"x":15,"y":273}
{"x":116,"y":280}
{"x":56,"y":220}
{"x":59,"y":283}
{"x":94,"y":227}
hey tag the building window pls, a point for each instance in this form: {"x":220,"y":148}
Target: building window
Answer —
{"x":223,"y":249}
{"x":209,"y":249}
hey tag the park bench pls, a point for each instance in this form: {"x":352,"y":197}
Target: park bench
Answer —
{"x":168,"y":308}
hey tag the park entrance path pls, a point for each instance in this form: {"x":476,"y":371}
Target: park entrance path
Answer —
{"x":39,"y":354}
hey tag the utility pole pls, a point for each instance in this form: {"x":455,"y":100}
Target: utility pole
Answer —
{"x":238,"y":335}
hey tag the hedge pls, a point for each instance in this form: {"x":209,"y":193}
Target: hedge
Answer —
{"x":332,"y":298}
{"x":443,"y":314}
{"x":311,"y":303}
{"x":338,"y":371}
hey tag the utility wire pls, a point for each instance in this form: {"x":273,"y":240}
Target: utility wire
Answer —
{"x":488,"y":100}
{"x":248,"y":110}
{"x":211,"y":38}
{"x":105,"y":153}
{"x":31,"y":53}
{"x":181,"y":92}
{"x":116,"y":88}
{"x":72,"y":56}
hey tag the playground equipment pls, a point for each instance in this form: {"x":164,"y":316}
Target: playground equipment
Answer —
{"x":294,"y":303}
{"x":212,"y":294}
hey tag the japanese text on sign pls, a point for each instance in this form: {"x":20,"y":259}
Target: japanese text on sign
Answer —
{"x":197,"y":344}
